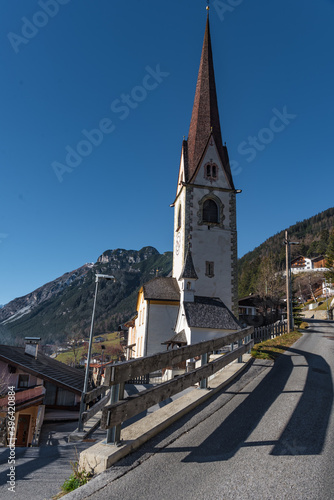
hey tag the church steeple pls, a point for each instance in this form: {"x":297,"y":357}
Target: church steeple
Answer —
{"x":205,"y":203}
{"x":205,"y":115}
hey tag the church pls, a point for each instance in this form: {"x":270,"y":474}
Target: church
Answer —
{"x":199,"y":301}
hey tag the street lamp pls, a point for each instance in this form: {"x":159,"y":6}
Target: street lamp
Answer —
{"x":288,"y":280}
{"x":84,"y":392}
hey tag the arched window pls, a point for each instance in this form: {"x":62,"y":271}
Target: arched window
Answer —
{"x":179,"y":218}
{"x":210,"y":211}
{"x":214,"y":171}
{"x":211,"y":171}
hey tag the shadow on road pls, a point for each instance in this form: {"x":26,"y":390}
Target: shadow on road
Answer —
{"x":306,"y":430}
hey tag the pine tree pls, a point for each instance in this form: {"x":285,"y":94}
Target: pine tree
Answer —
{"x":297,"y":318}
{"x":329,"y":275}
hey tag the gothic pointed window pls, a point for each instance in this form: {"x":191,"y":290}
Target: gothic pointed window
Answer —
{"x":210,"y":212}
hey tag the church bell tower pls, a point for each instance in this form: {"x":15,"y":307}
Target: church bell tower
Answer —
{"x":205,"y":204}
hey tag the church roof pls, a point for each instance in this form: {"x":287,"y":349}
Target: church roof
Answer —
{"x":188,"y":271}
{"x":162,"y":288}
{"x":206,"y":312}
{"x":205,"y":115}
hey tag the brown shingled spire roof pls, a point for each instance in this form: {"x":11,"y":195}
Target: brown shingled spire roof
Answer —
{"x":205,"y":115}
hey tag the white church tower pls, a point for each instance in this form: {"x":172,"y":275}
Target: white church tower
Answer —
{"x":205,"y":205}
{"x":199,"y":301}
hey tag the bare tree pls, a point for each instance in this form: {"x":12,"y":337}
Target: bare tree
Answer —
{"x":308,"y":283}
{"x":77,"y":347}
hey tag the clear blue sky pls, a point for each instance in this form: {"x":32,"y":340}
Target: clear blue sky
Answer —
{"x":63,"y":77}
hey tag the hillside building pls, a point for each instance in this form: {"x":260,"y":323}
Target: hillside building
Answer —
{"x":304,"y":264}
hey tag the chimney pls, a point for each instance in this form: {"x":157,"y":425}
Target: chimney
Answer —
{"x":32,"y":346}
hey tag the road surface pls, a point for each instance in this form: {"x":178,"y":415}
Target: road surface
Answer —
{"x":272,"y":440}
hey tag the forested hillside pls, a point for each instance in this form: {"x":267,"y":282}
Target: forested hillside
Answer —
{"x":312,"y":235}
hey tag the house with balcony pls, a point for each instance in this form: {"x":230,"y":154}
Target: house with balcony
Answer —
{"x":303,"y":264}
{"x":40,"y":383}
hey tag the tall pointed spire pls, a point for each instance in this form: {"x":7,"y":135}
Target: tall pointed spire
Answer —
{"x":205,"y":115}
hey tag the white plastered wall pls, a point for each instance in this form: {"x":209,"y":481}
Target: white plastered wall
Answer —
{"x":162,"y":319}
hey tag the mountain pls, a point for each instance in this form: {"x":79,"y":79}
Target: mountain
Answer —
{"x":312,"y":235}
{"x":64,"y":306}
{"x":18,"y":308}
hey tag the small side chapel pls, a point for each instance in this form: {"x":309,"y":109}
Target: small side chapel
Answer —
{"x":199,"y":301}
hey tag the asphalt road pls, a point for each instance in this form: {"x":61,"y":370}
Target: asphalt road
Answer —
{"x":273,"y":438}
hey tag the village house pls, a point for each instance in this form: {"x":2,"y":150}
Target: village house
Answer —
{"x":304,"y":264}
{"x":40,"y":383}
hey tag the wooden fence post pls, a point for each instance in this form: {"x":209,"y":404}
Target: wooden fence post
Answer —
{"x":116,"y":394}
{"x":239,"y":345}
{"x":204,"y":382}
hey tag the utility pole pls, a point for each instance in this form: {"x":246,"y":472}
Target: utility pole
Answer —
{"x":288,"y":280}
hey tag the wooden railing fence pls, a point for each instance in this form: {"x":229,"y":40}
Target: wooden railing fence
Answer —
{"x":263,"y":333}
{"x":120,"y":410}
{"x":116,"y":375}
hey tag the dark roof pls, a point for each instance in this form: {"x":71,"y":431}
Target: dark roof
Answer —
{"x":205,"y":114}
{"x":44,"y":367}
{"x":320,"y":257}
{"x":188,"y":271}
{"x":161,"y":288}
{"x":251,"y":300}
{"x":206,"y":312}
{"x":297,"y":258}
{"x":179,"y":338}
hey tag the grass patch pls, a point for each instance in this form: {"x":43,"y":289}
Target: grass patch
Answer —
{"x":111,"y":339}
{"x":78,"y":478}
{"x":304,"y":325}
{"x":272,"y":348}
{"x":323,"y":306}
